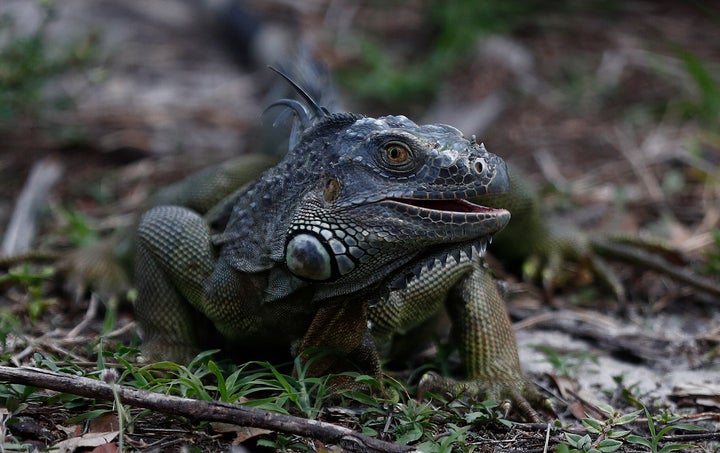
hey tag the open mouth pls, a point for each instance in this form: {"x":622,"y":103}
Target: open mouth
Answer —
{"x":460,"y":213}
{"x":462,"y":206}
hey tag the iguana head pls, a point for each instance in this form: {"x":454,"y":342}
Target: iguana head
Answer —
{"x":357,"y":197}
{"x":389,"y":189}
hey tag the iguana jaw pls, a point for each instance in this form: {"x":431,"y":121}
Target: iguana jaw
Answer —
{"x":457,"y":206}
{"x":453,"y":211}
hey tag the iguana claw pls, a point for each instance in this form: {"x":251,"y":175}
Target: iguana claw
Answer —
{"x":519,"y":394}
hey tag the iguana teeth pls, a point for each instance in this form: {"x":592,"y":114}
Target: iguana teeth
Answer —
{"x":455,"y":254}
{"x":479,"y":250}
{"x":443,"y":259}
{"x":466,"y":254}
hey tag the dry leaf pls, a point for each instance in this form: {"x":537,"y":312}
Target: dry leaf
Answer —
{"x":105,"y":448}
{"x":104,"y":423}
{"x":245,"y":433}
{"x":89,"y":440}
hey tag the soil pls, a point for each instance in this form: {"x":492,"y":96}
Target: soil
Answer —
{"x":601,"y":107}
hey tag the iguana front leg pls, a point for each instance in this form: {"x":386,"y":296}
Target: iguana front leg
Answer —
{"x":482,"y":331}
{"x":339,"y":335}
{"x":481,"y":328}
{"x":173,"y":258}
{"x":186,"y":296}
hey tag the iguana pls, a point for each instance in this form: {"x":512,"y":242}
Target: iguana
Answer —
{"x":213,"y":193}
{"x":367,"y":227}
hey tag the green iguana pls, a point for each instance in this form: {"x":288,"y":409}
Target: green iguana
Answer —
{"x":222,"y":247}
{"x":368,"y":227}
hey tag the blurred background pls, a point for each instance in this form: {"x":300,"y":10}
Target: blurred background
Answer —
{"x":607,"y":104}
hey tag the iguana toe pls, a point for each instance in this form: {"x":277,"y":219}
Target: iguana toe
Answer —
{"x":519,"y":395}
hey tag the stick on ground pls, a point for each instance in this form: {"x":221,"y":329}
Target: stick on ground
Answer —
{"x":199,"y":410}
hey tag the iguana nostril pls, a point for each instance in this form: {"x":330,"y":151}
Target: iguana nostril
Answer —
{"x":479,"y":166}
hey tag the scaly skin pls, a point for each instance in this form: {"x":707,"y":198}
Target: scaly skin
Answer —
{"x":364,"y":229}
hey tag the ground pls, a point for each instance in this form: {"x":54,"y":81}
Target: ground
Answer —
{"x":612,"y":108}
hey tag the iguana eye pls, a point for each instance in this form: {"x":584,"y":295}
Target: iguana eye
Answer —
{"x":397,"y":153}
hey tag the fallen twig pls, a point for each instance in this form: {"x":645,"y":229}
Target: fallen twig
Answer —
{"x":635,"y":255}
{"x":199,"y":410}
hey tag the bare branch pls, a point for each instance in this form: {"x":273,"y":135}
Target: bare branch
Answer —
{"x":199,"y":410}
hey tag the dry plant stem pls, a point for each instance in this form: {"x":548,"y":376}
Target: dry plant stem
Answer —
{"x":654,"y":262}
{"x":199,"y":410}
{"x":87,"y":319}
{"x":21,"y":229}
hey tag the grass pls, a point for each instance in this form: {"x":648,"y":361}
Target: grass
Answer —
{"x":257,"y":384}
{"x":31,"y":60}
{"x":609,"y":434}
{"x":385,"y":77}
{"x":567,"y":364}
{"x":436,"y":425}
{"x":705,"y":106}
{"x":32,"y":283}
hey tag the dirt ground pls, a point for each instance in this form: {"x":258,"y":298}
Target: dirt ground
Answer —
{"x":603,"y":107}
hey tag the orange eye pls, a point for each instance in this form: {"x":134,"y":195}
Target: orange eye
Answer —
{"x":397,"y":153}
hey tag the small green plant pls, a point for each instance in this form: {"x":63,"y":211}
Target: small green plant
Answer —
{"x":33,"y":280}
{"x":29,"y":60}
{"x":284,"y":443}
{"x":453,"y":440}
{"x":384,"y":77}
{"x":110,"y":376}
{"x":9,"y":407}
{"x":415,"y":419}
{"x":656,"y":436}
{"x":78,"y":230}
{"x":707,"y":107}
{"x":567,"y":364}
{"x":712,"y":256}
{"x":485,"y":411}
{"x":15,"y":398}
{"x":609,"y":435}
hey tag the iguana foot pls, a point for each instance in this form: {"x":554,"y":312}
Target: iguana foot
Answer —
{"x":519,"y":394}
{"x":569,"y":259}
{"x":158,"y":350}
{"x":98,"y":268}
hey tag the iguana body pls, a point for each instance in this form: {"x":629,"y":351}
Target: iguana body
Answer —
{"x":363,"y":230}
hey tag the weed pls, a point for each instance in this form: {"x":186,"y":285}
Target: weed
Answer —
{"x":78,"y":229}
{"x":609,"y":435}
{"x":33,"y":280}
{"x":456,"y":25}
{"x":656,"y":436}
{"x":28,"y":63}
{"x":567,"y":364}
{"x":284,"y":443}
{"x":707,"y":107}
{"x":711,"y":266}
